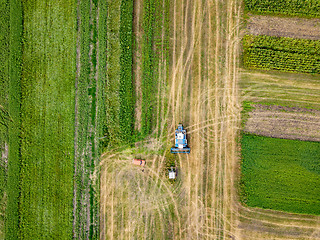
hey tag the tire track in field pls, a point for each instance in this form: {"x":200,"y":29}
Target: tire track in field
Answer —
{"x":233,"y":109}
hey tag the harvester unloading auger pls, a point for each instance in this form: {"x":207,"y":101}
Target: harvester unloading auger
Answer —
{"x":181,"y":145}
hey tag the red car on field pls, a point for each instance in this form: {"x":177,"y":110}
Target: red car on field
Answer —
{"x":139,"y":162}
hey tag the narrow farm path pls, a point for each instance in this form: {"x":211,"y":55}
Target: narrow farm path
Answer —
{"x":137,"y":31}
{"x":284,"y":27}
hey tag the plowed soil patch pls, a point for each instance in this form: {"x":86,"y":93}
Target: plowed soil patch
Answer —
{"x":284,"y":122}
{"x":284,"y":27}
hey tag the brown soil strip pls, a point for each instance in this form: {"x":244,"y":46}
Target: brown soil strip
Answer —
{"x":284,"y":122}
{"x":284,"y":27}
{"x":137,"y":61}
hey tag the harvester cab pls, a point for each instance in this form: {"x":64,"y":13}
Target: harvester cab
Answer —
{"x":181,"y":145}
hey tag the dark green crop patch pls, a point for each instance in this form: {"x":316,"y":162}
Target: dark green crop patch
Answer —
{"x":281,"y":53}
{"x":280,"y":174}
{"x":302,"y":8}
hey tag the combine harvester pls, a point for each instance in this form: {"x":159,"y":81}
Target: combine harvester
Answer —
{"x":181,"y":145}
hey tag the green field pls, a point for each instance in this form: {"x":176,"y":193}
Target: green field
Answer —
{"x":281,"y":53}
{"x":280,"y":174}
{"x":303,"y":8}
{"x":47,"y":119}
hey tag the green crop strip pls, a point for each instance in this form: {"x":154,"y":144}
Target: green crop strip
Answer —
{"x":14,"y":113}
{"x":102,"y":71}
{"x":280,"y":53}
{"x":83,"y":119}
{"x":155,"y":58}
{"x":303,"y":8}
{"x":126,"y":85}
{"x":119,"y":96}
{"x":161,"y":38}
{"x":148,"y":84}
{"x":113,"y":74}
{"x":47,"y":117}
{"x":10,"y":70}
{"x":280,"y":174}
{"x":89,"y":105}
{"x":4,"y":87}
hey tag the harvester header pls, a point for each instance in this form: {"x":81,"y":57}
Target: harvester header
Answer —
{"x":181,"y":145}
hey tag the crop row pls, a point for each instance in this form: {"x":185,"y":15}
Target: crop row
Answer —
{"x":155,"y":55}
{"x":305,"y":8}
{"x":126,"y":84}
{"x":292,"y":45}
{"x":10,"y":70}
{"x":162,"y":58}
{"x":284,"y":54}
{"x":119,"y":92}
{"x":4,"y":86}
{"x":112,"y":100}
{"x":148,"y":84}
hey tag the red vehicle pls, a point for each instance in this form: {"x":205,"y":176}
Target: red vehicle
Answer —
{"x":139,"y":162}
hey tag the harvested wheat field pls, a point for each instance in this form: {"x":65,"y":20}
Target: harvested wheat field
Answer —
{"x":196,"y":86}
{"x":194,"y":79}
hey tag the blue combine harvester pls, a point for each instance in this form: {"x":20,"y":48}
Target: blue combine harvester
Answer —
{"x":180,"y":141}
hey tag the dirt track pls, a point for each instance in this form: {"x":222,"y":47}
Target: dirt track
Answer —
{"x":203,"y":95}
{"x":284,"y":27}
{"x":284,"y":122}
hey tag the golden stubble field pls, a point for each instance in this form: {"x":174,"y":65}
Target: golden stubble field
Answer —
{"x":203,"y":94}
